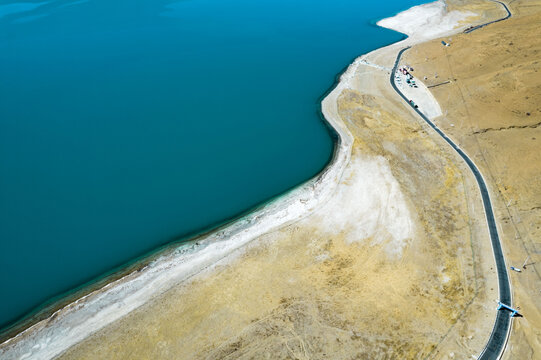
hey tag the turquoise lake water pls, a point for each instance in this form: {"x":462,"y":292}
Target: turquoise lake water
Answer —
{"x":125,"y":125}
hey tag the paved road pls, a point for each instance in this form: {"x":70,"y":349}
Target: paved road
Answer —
{"x":500,"y":333}
{"x":491,"y":22}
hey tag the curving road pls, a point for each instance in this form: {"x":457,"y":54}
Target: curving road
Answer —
{"x":467,"y":31}
{"x":500,"y":333}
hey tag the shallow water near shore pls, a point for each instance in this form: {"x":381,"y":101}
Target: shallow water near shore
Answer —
{"x":125,"y":125}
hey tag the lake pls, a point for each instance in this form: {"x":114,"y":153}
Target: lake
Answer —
{"x":125,"y":125}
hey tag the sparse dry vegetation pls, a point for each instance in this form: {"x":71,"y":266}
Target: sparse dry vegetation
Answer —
{"x":305,"y":292}
{"x":493,"y":111}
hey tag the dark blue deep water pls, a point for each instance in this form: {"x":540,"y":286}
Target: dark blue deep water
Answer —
{"x":126,"y":124}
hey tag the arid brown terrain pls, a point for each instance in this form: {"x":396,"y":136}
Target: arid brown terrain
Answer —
{"x":493,"y":110}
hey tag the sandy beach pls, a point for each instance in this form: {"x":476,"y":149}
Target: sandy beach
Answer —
{"x":384,"y":254}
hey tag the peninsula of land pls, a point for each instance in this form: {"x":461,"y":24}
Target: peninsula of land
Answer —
{"x":385,"y":254}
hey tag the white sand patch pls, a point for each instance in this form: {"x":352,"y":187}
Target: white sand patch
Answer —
{"x":420,"y":95}
{"x":369,"y":206}
{"x":375,"y":66}
{"x":427,"y":21}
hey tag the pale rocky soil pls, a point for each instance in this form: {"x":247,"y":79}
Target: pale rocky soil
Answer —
{"x":493,"y":109}
{"x":347,"y":282}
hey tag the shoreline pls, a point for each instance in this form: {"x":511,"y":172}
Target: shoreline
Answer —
{"x":179,"y":246}
{"x":179,"y":262}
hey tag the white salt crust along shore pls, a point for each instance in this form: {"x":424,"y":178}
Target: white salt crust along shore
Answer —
{"x":76,"y":321}
{"x":426,"y":22}
{"x":368,"y":207}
